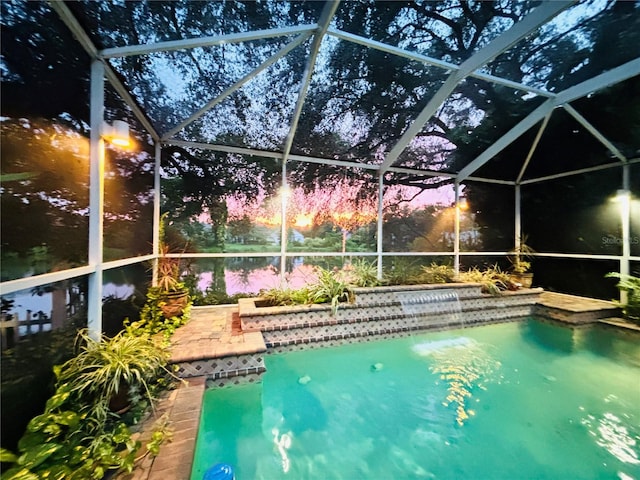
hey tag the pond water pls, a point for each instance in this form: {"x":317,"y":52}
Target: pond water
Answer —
{"x":509,"y":401}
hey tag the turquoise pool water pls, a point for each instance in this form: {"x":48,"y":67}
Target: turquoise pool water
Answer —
{"x":527,"y":400}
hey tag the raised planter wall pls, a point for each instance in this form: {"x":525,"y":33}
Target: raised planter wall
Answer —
{"x":385,"y":310}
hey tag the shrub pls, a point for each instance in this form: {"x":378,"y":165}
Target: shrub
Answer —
{"x":285,"y":296}
{"x":435,"y":273}
{"x":362,"y":274}
{"x":78,"y":436}
{"x":330,"y":289}
{"x":493,"y":279}
{"x":631,"y":285}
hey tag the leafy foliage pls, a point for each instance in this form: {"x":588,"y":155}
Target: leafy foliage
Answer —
{"x":329,"y":288}
{"x":631,"y":285}
{"x":285,"y":296}
{"x":519,"y":262}
{"x":403,"y":271}
{"x":153,"y":316}
{"x":435,"y":273}
{"x":362,"y":273}
{"x":492,"y":278}
{"x":78,"y":436}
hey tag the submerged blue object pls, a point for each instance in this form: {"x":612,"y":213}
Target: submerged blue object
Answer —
{"x":220,"y":471}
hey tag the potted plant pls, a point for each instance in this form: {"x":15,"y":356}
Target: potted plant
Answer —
{"x":171,"y":292}
{"x":78,"y":436}
{"x":107,"y":373}
{"x":168,"y":301}
{"x":520,"y":276}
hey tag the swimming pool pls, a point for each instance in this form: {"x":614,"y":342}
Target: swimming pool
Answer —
{"x":508,"y":401}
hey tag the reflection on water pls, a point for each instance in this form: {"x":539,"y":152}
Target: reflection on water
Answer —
{"x":464,"y":365}
{"x":611,"y":434}
{"x":596,"y":339}
{"x":253,"y":280}
{"x":326,"y":413}
{"x":558,"y":338}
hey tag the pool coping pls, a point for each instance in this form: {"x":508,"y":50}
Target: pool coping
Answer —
{"x":182,"y":407}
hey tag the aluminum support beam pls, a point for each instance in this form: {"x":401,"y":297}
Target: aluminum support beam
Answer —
{"x":599,"y":82}
{"x":28,"y":283}
{"x":379,"y":231}
{"x":456,"y":229}
{"x":133,"y":105}
{"x":528,"y":24}
{"x":593,"y":131}
{"x":324,"y":161}
{"x":323,"y":24}
{"x":578,"y":172}
{"x":534,"y":145}
{"x":518,"y":219}
{"x":383,"y":47}
{"x":237,"y":85}
{"x":157,"y":197}
{"x":204,"y":41}
{"x":525,"y":124}
{"x":284,"y":197}
{"x":78,"y":32}
{"x":72,"y":24}
{"x":625,"y":222}
{"x":96,"y":200}
{"x":270,"y":154}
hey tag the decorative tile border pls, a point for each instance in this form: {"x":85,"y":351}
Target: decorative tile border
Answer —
{"x":236,"y":380}
{"x":376,"y":327}
{"x":377,"y":337}
{"x":223,"y":367}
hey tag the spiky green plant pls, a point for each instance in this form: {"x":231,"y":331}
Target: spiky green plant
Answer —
{"x":631,"y":285}
{"x":285,"y":296}
{"x":102,"y":368}
{"x":363,"y":274}
{"x":403,"y":271}
{"x":329,"y":288}
{"x":78,"y":437}
{"x":492,"y":278}
{"x":435,"y":273}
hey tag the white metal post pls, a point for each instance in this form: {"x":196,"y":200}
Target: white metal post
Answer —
{"x":96,"y":201}
{"x":625,"y":215}
{"x":456,"y":239}
{"x":518,"y":220}
{"x":379,"y":223}
{"x":284,"y":193}
{"x":157,"y":195}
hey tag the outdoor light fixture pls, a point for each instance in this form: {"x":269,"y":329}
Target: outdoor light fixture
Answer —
{"x":622,"y":195}
{"x":463,"y":204}
{"x":117,"y":134}
{"x":285,"y":192}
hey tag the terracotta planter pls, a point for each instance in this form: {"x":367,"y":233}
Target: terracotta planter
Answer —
{"x":524,"y":280}
{"x":174,"y":303}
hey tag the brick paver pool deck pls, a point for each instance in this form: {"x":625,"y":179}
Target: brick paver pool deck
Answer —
{"x":215,"y":332}
{"x":210,"y":332}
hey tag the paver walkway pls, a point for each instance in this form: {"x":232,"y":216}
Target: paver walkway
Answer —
{"x":213,"y":332}
{"x":210,"y":332}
